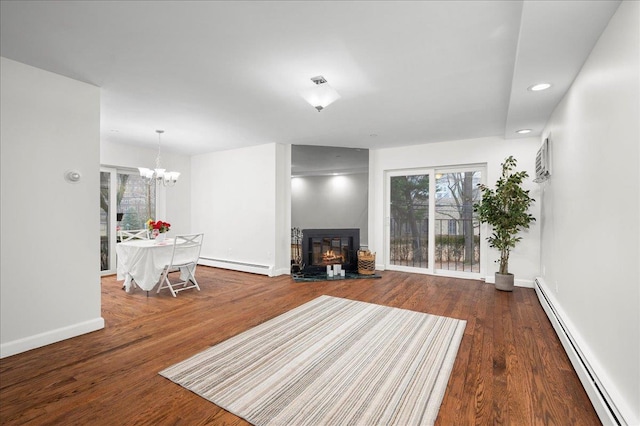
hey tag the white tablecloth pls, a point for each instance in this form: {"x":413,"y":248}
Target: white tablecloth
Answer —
{"x":143,"y":261}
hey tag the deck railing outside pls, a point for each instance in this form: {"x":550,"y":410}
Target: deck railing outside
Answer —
{"x":457,"y":244}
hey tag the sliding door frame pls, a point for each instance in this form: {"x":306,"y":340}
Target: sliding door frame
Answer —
{"x":430,"y":269}
{"x":111,"y":218}
{"x":431,"y":247}
{"x":482,"y":168}
{"x":113,"y":210}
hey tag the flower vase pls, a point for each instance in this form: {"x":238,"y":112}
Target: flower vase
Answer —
{"x":161,"y":237}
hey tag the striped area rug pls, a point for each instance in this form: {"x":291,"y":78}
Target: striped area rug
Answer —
{"x":331,"y":361}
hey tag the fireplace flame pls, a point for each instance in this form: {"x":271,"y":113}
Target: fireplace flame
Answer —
{"x":331,"y":256}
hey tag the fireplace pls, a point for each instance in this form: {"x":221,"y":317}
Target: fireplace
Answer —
{"x":324,"y":247}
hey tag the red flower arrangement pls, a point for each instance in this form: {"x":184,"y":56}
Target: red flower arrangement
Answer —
{"x":159,"y":226}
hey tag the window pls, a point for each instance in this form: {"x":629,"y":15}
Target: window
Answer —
{"x":457,"y":230}
{"x":432,"y":227}
{"x":453,"y":227}
{"x":135,"y":203}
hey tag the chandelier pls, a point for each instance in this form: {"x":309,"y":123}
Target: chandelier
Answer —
{"x":158,"y":174}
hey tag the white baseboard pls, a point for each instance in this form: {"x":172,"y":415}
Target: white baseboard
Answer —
{"x":32,"y":342}
{"x":610,"y":410}
{"x":282,"y":271}
{"x":238,"y":266}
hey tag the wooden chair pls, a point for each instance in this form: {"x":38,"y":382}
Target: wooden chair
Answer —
{"x":186,"y":253}
{"x":133,"y":234}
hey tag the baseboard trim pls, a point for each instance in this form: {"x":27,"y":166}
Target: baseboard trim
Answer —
{"x":282,"y":271}
{"x":238,"y":266}
{"x":605,"y":406}
{"x":43,"y":339}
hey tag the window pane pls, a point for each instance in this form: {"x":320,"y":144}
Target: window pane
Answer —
{"x":104,"y":220}
{"x":457,"y":227}
{"x":136,"y":201}
{"x":409,"y":227}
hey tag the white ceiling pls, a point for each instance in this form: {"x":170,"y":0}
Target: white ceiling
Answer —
{"x":220,"y":75}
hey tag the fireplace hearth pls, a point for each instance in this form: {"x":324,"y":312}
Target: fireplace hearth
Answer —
{"x":328,"y":247}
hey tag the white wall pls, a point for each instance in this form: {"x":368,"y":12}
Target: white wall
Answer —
{"x":282,"y":262}
{"x":525,"y":258}
{"x":237,"y":204}
{"x":331,"y":202}
{"x":173,"y":202}
{"x":591,"y":210}
{"x":50,"y":245}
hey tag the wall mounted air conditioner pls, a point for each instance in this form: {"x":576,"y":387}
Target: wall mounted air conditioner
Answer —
{"x":543,"y":162}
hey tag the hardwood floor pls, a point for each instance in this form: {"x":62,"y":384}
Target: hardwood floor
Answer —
{"x":510,"y":368}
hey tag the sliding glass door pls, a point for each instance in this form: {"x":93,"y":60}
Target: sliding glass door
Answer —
{"x":457,"y":228}
{"x":135,"y":203}
{"x":431,"y":225}
{"x":107,"y":226}
{"x":408,"y":214}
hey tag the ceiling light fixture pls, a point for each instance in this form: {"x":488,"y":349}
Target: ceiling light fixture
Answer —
{"x":159,"y":174}
{"x":538,"y":87}
{"x":523,"y":131}
{"x":321,"y":94}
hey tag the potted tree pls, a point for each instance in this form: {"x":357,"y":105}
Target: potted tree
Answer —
{"x":506,"y":210}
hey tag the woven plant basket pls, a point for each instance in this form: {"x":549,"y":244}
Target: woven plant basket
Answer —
{"x":366,"y":262}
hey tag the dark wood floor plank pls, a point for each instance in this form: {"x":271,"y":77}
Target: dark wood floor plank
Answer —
{"x":510,"y":367}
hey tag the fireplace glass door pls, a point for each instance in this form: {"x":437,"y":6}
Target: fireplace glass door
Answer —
{"x":330,"y":250}
{"x":326,"y":247}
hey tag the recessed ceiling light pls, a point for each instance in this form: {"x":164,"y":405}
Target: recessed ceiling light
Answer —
{"x":540,"y":86}
{"x":523,"y":131}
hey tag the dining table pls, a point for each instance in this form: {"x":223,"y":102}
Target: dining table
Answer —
{"x":143,"y":262}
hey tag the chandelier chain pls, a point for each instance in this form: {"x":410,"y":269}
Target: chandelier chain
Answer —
{"x":160,"y":132}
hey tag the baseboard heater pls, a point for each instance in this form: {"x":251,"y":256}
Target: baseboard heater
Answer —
{"x":600,"y":399}
{"x":237,"y":266}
